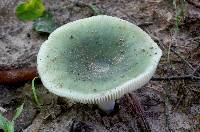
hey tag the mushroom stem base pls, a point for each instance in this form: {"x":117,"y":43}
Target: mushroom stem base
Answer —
{"x":107,"y":106}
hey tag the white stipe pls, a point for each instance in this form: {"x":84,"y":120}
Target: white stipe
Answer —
{"x":107,"y":106}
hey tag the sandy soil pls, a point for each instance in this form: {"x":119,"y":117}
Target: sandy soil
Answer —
{"x":168,"y":105}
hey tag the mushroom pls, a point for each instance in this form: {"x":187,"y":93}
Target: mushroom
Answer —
{"x":97,"y":60}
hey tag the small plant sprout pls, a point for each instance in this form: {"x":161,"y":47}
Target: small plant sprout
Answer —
{"x":35,"y":93}
{"x":8,"y":126}
{"x":97,"y":60}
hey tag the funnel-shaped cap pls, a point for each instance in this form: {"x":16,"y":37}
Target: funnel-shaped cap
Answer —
{"x":97,"y":59}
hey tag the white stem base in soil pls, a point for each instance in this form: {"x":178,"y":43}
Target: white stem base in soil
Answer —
{"x":107,"y":106}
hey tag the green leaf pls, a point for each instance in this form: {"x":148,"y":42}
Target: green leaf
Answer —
{"x":30,"y":10}
{"x":9,"y":127}
{"x":34,"y":93}
{"x":45,"y":24}
{"x":18,"y":112}
{"x":6,"y":125}
{"x":3,"y":122}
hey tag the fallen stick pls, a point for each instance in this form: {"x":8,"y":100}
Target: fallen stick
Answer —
{"x":17,"y":76}
{"x":138,"y":110}
{"x":184,"y":77}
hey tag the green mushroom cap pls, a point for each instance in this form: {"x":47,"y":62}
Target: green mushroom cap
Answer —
{"x":97,"y":59}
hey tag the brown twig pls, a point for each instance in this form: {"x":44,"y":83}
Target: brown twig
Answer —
{"x":178,"y":103}
{"x":184,"y":60}
{"x":184,"y":77}
{"x":196,"y":69}
{"x":144,"y":24}
{"x":174,"y":51}
{"x":16,"y":76}
{"x":167,"y":110}
{"x":137,"y":108}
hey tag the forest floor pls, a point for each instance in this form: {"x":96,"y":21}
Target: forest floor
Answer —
{"x":170,"y":103}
